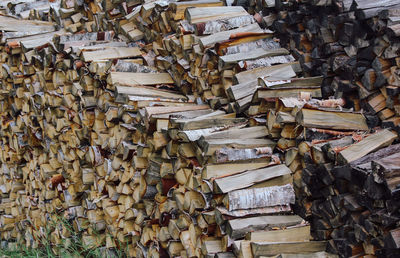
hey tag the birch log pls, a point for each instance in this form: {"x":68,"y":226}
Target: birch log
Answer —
{"x":260,"y":197}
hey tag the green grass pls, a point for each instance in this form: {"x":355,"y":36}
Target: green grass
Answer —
{"x":45,"y":252}
{"x":72,"y":247}
{"x":22,"y":252}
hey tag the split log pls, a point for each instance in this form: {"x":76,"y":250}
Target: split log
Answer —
{"x":249,"y":178}
{"x":264,"y":249}
{"x":260,"y":197}
{"x":369,"y":144}
{"x":239,"y":227}
{"x":331,"y":120}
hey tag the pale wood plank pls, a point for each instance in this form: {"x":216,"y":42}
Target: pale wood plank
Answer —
{"x":249,"y":178}
{"x":134,"y":79}
{"x":111,"y":53}
{"x":295,"y":234}
{"x":369,"y":144}
{"x":238,"y":228}
{"x":267,"y":248}
{"x":204,"y":14}
{"x":331,"y":120}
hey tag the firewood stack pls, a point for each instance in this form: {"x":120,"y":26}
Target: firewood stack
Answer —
{"x":177,"y":131}
{"x":353,"y":44}
{"x":95,"y":134}
{"x":204,"y":47}
{"x":195,"y":175}
{"x":319,"y":138}
{"x":327,"y":150}
{"x":354,"y":194}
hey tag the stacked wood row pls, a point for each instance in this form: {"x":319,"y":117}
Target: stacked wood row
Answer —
{"x":188,"y":132}
{"x":93,"y":133}
{"x":72,"y":15}
{"x":57,"y":158}
{"x":180,"y":141}
{"x":217,"y":179}
{"x":204,"y":47}
{"x":192,"y":75}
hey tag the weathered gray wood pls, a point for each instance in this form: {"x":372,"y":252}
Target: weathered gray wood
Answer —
{"x":367,"y":4}
{"x":225,"y":255}
{"x":331,"y":120}
{"x":372,"y":12}
{"x":186,"y":114}
{"x":222,"y":214}
{"x":150,"y":111}
{"x":133,"y":79}
{"x":196,"y":123}
{"x":194,"y":135}
{"x":247,"y":86}
{"x":248,"y":132}
{"x":221,"y":133}
{"x":242,"y":248}
{"x":291,"y":103}
{"x":241,"y":90}
{"x":249,"y":178}
{"x":307,"y":82}
{"x":266,"y":61}
{"x":294,"y":234}
{"x":389,"y":12}
{"x":329,"y":147}
{"x":266,"y":248}
{"x":31,"y":27}
{"x":80,"y":47}
{"x":228,"y":61}
{"x":387,"y":170}
{"x":34,"y":41}
{"x":276,"y":181}
{"x":205,"y":14}
{"x":284,"y":117}
{"x":212,"y":246}
{"x":219,"y":170}
{"x":366,"y":8}
{"x":390,"y":150}
{"x":291,"y":155}
{"x":238,"y":228}
{"x":309,"y":255}
{"x":369,"y":144}
{"x":265,"y":93}
{"x":242,"y":104}
{"x":124,"y":93}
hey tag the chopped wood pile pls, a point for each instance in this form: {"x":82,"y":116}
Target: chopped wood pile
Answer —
{"x":355,"y":46}
{"x":196,"y":129}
